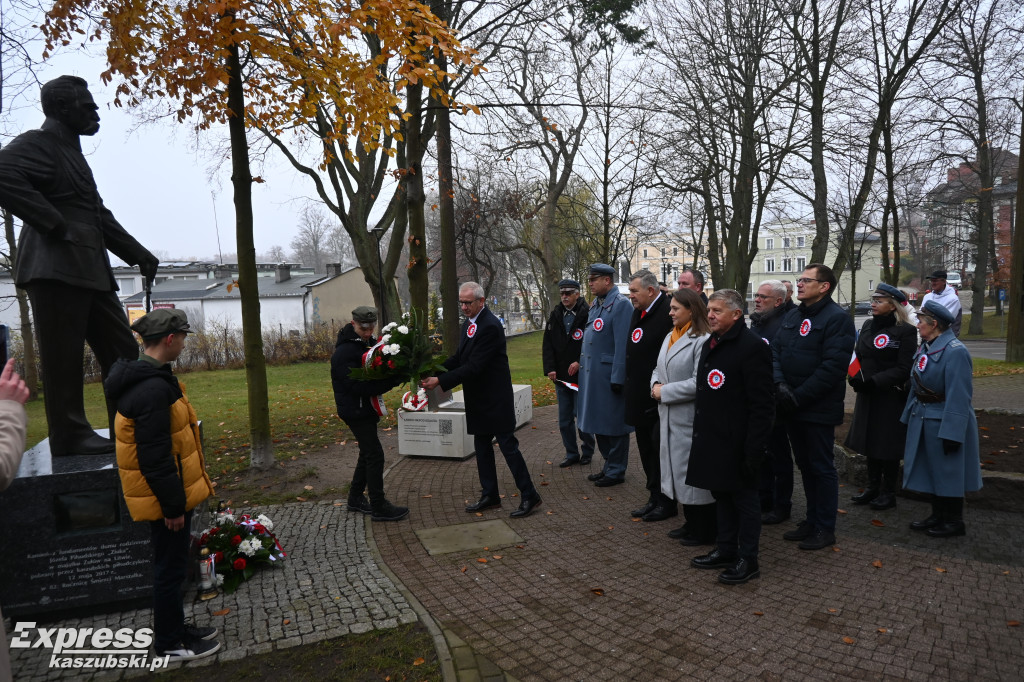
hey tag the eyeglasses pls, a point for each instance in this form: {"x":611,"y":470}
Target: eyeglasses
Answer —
{"x":569,"y":292}
{"x":808,"y":280}
{"x":467,"y":302}
{"x":762,"y":297}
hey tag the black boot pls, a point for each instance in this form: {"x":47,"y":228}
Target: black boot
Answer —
{"x":385,"y":511}
{"x":931,"y":521}
{"x":952,"y":523}
{"x":874,"y":483}
{"x":887,"y":498}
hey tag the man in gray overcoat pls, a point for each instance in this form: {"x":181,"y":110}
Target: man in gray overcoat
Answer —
{"x":62,"y":259}
{"x":601,"y":408}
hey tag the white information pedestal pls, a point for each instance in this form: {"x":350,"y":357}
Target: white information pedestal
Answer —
{"x":443,"y":434}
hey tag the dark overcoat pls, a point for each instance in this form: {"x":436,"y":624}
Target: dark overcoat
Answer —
{"x":603,"y":362}
{"x":646,"y":335}
{"x":560,"y":348}
{"x":735,"y":409}
{"x":886,"y":352}
{"x":46,"y":181}
{"x":351,"y":396}
{"x":944,"y":367}
{"x":812,"y":351}
{"x":481,"y":365}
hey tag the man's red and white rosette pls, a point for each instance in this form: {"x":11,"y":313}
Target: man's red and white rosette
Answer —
{"x":577,"y":335}
{"x":598,"y":324}
{"x":805,"y":327}
{"x":638,"y":334}
{"x":716,"y":379}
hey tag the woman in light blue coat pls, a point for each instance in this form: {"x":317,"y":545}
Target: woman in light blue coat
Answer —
{"x":941,"y":455}
{"x":674,"y":386}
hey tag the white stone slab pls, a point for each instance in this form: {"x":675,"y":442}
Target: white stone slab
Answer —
{"x":434,"y":434}
{"x":522,"y":398}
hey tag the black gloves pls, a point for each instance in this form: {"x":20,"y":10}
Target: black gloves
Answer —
{"x":616,"y":388}
{"x":148,"y":265}
{"x":950,"y":446}
{"x":785,"y":401}
{"x":856,"y":383}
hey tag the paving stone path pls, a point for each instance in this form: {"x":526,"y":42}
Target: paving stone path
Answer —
{"x":329,"y":586}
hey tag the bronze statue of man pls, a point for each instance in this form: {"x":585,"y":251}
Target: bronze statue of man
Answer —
{"x":62,"y":259}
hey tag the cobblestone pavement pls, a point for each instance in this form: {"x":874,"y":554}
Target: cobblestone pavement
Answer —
{"x":329,"y":586}
{"x":591,"y":594}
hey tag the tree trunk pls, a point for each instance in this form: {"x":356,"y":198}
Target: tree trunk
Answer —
{"x":28,"y":342}
{"x":446,"y":190}
{"x":1015,"y":323}
{"x":262,"y":455}
{"x":419,"y":286}
{"x":984,"y":234}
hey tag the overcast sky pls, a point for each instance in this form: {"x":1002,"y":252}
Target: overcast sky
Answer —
{"x":159,"y":186}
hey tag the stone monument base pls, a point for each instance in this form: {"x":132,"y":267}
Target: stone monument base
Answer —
{"x":443,"y":434}
{"x":69,"y":544}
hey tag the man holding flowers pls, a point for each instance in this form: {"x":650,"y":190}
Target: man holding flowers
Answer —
{"x":358,"y":402}
{"x":481,"y":365}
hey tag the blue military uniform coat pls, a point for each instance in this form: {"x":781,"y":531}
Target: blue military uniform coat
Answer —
{"x":943,"y":366}
{"x":602,"y":363}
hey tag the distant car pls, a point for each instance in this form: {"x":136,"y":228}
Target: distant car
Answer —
{"x":860,"y":308}
{"x":953,"y":280}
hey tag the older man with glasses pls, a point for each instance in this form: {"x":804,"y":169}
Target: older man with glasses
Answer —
{"x":563,"y":340}
{"x":811,"y":353}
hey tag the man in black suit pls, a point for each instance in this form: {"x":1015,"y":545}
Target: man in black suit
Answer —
{"x":481,"y":365}
{"x":648,"y":328}
{"x":735,"y":409}
{"x":62,"y":259}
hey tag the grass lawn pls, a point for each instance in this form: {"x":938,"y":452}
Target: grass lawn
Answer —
{"x":991,"y":368}
{"x":302,"y":411}
{"x":994,"y":326}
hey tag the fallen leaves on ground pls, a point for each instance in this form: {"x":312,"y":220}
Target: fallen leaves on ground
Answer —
{"x":222,"y":612}
{"x":544,"y":482}
{"x":940,"y":569}
{"x":876,"y":522}
{"x":301,"y":499}
{"x":841,"y":511}
{"x":833,"y":610}
{"x":426,"y":497}
{"x":307,"y":487}
{"x":835,"y":548}
{"x":598,"y":591}
{"x":849,"y":640}
{"x":1013,"y":623}
{"x":758,"y":613}
{"x":419,"y":661}
{"x":585,"y":497}
{"x":611,"y":527}
{"x":286,"y":621}
{"x":481,"y":560}
{"x":496,"y":556}
{"x":877,"y":563}
{"x":636,"y":519}
{"x":479,"y":513}
{"x":463,"y":569}
{"x":882,"y":630}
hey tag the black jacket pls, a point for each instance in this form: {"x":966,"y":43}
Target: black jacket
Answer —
{"x":646,"y":336}
{"x":145,"y":393}
{"x":886,"y":353}
{"x":732,"y":423}
{"x":767,"y":325}
{"x":559,"y":349}
{"x":481,"y":365}
{"x":811,"y":352}
{"x":352,"y":397}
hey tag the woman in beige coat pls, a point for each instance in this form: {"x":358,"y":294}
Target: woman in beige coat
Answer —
{"x":674,"y":386}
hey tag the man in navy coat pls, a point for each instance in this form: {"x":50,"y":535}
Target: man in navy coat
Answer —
{"x":481,"y":365}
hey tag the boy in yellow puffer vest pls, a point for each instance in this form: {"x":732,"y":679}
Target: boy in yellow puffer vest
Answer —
{"x":163,"y":473}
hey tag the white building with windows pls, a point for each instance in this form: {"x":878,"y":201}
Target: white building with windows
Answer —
{"x":784,"y":251}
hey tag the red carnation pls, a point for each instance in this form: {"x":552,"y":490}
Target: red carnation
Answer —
{"x":239,"y":564}
{"x":391,"y":364}
{"x":218,"y":557}
{"x":377,"y":362}
{"x":259,"y":528}
{"x":237,"y":540}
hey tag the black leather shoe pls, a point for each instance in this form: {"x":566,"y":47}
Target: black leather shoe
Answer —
{"x":884,"y":501}
{"x":774,"y":517}
{"x":639,"y":513}
{"x":820,"y":539}
{"x":484,"y":503}
{"x":678,"y":533}
{"x":585,"y":460}
{"x":741,"y":572}
{"x":660,"y":513}
{"x":695,"y":541}
{"x":596,"y":476}
{"x":606,"y":482}
{"x":802,"y":531}
{"x":568,"y":462}
{"x":865,"y":497}
{"x":713,"y":559}
{"x":947,"y":529}
{"x":925,"y":524}
{"x":526,"y":507}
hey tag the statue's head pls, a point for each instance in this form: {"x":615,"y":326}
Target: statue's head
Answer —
{"x":68,"y":100}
